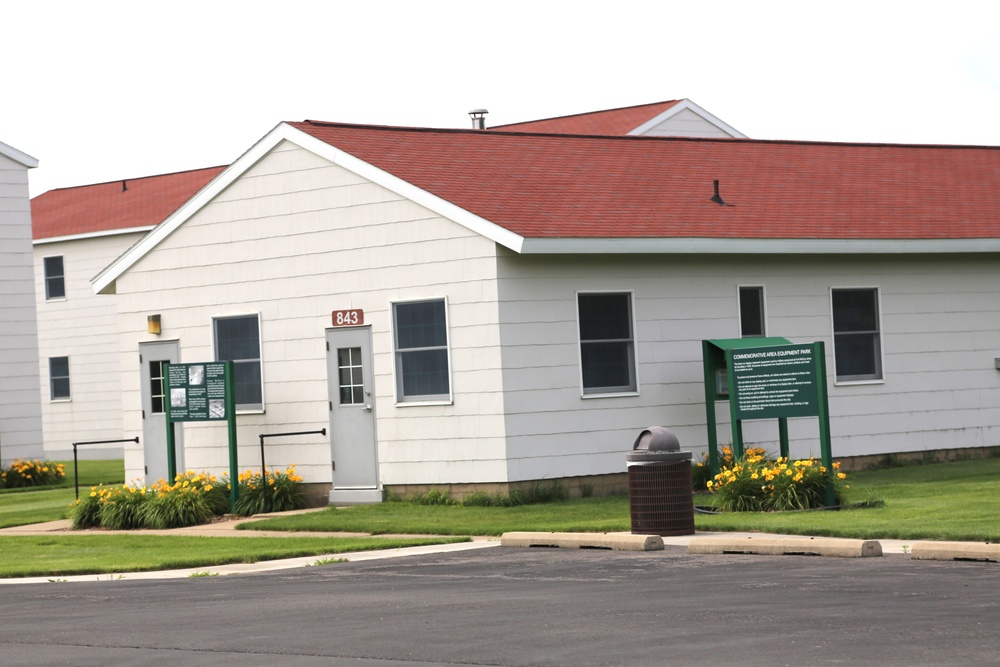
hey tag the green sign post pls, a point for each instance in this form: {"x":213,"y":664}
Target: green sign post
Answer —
{"x":202,"y":392}
{"x":767,"y":378}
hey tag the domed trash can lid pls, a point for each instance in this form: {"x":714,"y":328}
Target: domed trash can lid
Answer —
{"x":657,"y":444}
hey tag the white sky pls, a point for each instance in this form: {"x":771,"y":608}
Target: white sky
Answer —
{"x":99,"y":91}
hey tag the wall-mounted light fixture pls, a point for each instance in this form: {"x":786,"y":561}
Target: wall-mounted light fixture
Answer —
{"x":153,"y":324}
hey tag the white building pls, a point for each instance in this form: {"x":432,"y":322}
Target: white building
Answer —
{"x":481,"y":309}
{"x":77,"y":232}
{"x":20,"y":412}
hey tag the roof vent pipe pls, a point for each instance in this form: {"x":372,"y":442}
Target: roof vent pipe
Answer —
{"x":478,"y":117}
{"x":716,"y":198}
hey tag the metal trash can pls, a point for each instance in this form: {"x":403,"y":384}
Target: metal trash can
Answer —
{"x":660,"y":495}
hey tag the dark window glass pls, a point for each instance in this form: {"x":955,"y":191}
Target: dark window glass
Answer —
{"x":607,"y":348}
{"x":421,"y":337}
{"x":237,"y":339}
{"x":59,"y":377}
{"x":751,"y":311}
{"x":856,"y":337}
{"x":55,"y":279}
{"x":157,"y":385}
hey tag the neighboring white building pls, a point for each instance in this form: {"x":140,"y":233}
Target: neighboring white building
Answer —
{"x":77,"y":232}
{"x":20,"y":412}
{"x":480,"y":309}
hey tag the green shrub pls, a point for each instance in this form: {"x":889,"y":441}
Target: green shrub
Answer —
{"x":176,"y":506}
{"x":433,"y":497}
{"x":86,"y":512}
{"x":283,"y":493}
{"x":123,"y":508}
{"x":23,"y":473}
{"x":545,"y":493}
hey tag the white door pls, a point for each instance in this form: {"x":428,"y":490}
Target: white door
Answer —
{"x":352,"y":416}
{"x":152,"y":358}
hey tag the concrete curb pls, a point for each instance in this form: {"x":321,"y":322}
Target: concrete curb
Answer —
{"x":980,"y":551}
{"x":614,"y":541}
{"x":780,"y":546}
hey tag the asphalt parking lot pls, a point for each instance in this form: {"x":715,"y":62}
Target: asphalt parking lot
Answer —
{"x":523,"y":606}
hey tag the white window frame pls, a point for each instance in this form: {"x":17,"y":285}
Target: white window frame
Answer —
{"x":397,"y":371}
{"x":763,"y":309}
{"x":880,"y":357}
{"x":46,"y":278}
{"x":67,"y":377}
{"x":606,"y":392}
{"x":253,"y":407}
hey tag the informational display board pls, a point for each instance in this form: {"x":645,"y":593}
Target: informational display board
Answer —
{"x":202,"y":392}
{"x":197,"y":391}
{"x":773,"y":382}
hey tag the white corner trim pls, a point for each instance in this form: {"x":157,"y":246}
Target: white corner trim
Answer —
{"x":688,"y":105}
{"x":20,"y":157}
{"x":285,"y":132}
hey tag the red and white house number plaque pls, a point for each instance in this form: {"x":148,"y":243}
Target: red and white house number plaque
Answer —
{"x":348,"y":318}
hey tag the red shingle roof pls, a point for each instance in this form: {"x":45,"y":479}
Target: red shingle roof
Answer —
{"x":562,"y":186}
{"x":103,"y":207}
{"x":613,"y":122}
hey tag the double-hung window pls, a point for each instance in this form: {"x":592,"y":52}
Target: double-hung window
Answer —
{"x":59,"y":378}
{"x":237,"y":339}
{"x":420,"y":342}
{"x":857,"y":339}
{"x":752,"y":311}
{"x":55,"y":277}
{"x":607,"y":343}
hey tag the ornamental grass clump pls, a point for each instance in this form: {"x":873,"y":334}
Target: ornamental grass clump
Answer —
{"x":123,"y":508}
{"x":24,"y":473}
{"x":282,"y":493}
{"x":757,"y":484}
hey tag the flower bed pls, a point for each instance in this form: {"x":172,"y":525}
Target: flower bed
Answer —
{"x":193,"y":498}
{"x":24,"y":473}
{"x":755,"y":483}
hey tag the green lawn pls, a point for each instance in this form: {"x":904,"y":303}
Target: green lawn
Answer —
{"x":21,"y":507}
{"x":94,"y":553}
{"x":944,"y":501}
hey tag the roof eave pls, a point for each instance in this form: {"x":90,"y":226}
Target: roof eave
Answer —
{"x":717,"y":246}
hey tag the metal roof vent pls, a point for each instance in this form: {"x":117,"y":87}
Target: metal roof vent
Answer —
{"x":478,"y":117}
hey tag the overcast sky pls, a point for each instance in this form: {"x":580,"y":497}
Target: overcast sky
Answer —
{"x":99,"y":91}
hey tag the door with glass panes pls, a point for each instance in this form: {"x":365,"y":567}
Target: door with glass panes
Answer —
{"x":352,"y":409}
{"x":153,"y":357}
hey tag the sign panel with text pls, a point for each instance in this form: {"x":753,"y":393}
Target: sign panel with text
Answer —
{"x":197,"y":391}
{"x":775,"y":381}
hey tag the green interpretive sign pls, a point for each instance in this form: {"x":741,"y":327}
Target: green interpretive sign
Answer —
{"x":775,"y":381}
{"x":197,"y":391}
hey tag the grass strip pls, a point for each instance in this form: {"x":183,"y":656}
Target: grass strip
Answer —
{"x":93,"y":553}
{"x":944,"y":501}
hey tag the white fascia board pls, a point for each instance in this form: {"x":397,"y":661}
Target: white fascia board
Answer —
{"x":18,"y":156}
{"x":688,"y":105}
{"x":285,"y":132}
{"x":704,"y":246}
{"x":93,"y":235}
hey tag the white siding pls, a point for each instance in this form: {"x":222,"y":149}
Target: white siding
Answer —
{"x":939,"y":336}
{"x":293,"y":239}
{"x":84,"y":327}
{"x":20,"y":411}
{"x":686,"y":123}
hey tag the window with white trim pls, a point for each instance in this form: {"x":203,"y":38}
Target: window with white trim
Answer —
{"x":752,"y":311}
{"x":59,"y":378}
{"x":420,"y":343}
{"x":237,"y":339}
{"x":857,"y":339}
{"x":55,"y":277}
{"x":607,"y":343}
